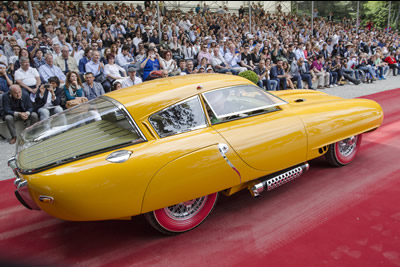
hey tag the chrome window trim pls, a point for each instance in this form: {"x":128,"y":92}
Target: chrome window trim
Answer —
{"x":131,"y":121}
{"x":242,"y":111}
{"x":202,"y":126}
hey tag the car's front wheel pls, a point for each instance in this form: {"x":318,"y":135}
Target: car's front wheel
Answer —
{"x":182,"y":217}
{"x":343,"y":152}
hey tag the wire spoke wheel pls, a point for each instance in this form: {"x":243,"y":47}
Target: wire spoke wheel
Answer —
{"x":182,"y":217}
{"x":343,"y":152}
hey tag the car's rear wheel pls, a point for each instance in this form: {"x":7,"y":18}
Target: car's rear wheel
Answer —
{"x":343,"y":152}
{"x":182,"y":217}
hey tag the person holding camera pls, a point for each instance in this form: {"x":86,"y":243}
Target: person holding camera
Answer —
{"x":48,"y":99}
{"x":151,"y":63}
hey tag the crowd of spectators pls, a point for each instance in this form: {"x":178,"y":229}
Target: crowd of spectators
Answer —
{"x":88,"y":50}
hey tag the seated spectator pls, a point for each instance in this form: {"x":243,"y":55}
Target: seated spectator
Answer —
{"x":49,"y":70}
{"x":263,"y":77}
{"x":169,"y":64}
{"x":190,"y":67}
{"x":3,"y":58}
{"x":66,"y":62}
{"x":150,"y":63}
{"x":85,"y":59}
{"x":278,"y":74}
{"x":246,"y":58}
{"x":48,"y":99}
{"x":322,"y":75}
{"x":125,"y":59}
{"x":132,"y":79}
{"x":116,"y":86}
{"x":38,"y":59}
{"x":289,"y":81}
{"x":294,"y":73}
{"x":219,"y":63}
{"x":28,"y":78}
{"x":73,"y":86}
{"x":204,"y":53}
{"x":97,"y":68}
{"x":304,"y":72}
{"x":17,"y":106}
{"x":202,"y":63}
{"x":232,"y":57}
{"x":91,"y":88}
{"x":392,"y":62}
{"x":112,"y":70}
{"x":5,"y":79}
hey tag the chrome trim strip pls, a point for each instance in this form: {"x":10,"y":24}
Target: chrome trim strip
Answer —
{"x":22,"y":184}
{"x":127,"y":114}
{"x":17,"y":181}
{"x":223,"y":148}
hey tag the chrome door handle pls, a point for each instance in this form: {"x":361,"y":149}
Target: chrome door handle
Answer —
{"x":119,"y":156}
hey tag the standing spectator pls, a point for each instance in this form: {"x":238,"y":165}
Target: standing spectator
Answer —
{"x":49,"y":70}
{"x":322,"y":75}
{"x":132,"y":79}
{"x":17,"y":106}
{"x":65,"y":62}
{"x":28,"y":78}
{"x":91,"y":88}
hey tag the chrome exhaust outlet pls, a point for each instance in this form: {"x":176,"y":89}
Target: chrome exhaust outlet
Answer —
{"x":278,"y":180}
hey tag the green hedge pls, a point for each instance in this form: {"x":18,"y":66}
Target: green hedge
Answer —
{"x":250,"y":75}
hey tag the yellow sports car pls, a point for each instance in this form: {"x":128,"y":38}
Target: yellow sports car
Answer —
{"x":167,"y":148}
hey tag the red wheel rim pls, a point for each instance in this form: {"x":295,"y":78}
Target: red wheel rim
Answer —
{"x":346,"y":150}
{"x":180,"y":218}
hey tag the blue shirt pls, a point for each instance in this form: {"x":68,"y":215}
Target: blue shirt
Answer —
{"x":150,"y":66}
{"x":46,"y":72}
{"x":82,"y":63}
{"x":3,"y":84}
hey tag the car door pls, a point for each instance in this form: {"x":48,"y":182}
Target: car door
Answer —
{"x":264,"y":135}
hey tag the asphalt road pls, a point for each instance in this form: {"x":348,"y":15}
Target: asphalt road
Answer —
{"x":346,"y":91}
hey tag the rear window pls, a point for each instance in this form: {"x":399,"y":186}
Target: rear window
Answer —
{"x":92,"y":127}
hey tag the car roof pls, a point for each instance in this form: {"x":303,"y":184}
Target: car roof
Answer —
{"x":145,"y":98}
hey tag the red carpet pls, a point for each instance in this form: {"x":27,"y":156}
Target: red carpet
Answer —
{"x":329,"y":217}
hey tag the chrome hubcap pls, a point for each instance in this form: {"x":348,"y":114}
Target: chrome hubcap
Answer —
{"x":185,"y":210}
{"x":347,"y":146}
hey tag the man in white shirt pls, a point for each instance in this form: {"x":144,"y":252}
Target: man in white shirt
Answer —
{"x":219,"y":64}
{"x":132,"y":79}
{"x":233,"y":58}
{"x":28,"y":78}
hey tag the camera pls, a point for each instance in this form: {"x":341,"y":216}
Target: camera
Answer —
{"x":46,"y":86}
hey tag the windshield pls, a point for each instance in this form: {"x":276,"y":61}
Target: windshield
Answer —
{"x":77,"y":132}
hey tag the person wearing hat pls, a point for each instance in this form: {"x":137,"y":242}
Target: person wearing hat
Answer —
{"x":132,"y":79}
{"x":147,"y":34}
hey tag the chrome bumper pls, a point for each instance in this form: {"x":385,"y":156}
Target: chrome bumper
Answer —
{"x":22,"y":190}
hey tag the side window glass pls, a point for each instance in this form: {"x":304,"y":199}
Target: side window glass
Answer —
{"x":182,"y":117}
{"x":240,"y":101}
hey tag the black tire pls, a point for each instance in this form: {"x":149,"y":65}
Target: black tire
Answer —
{"x":343,"y":152}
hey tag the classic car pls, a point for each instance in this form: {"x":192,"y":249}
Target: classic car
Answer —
{"x":167,"y":148}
